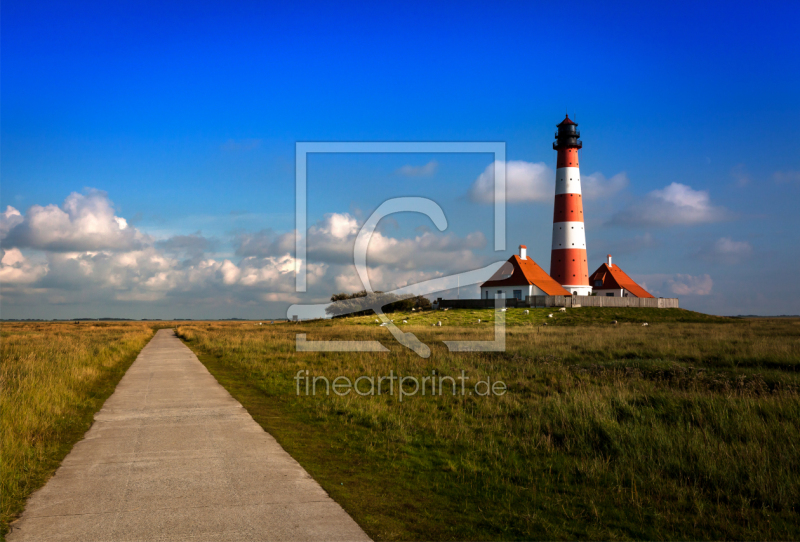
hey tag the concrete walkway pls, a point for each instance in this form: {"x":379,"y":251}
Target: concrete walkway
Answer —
{"x":172,"y":456}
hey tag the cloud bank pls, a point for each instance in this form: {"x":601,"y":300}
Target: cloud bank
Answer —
{"x":83,"y":252}
{"x":528,"y":182}
{"x":83,"y":222}
{"x":674,"y":205}
{"x":419,"y":171}
{"x":525,"y":182}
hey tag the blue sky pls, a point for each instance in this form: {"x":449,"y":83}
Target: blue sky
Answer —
{"x":182,"y":120}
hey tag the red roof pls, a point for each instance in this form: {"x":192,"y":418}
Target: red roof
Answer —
{"x":524,"y":273}
{"x":615,"y":278}
{"x":567,"y":121}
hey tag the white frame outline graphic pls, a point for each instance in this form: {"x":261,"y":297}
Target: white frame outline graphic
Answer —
{"x":497,"y":149}
{"x":303,"y":148}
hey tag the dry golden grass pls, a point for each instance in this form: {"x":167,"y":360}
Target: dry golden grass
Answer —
{"x":54,"y":376}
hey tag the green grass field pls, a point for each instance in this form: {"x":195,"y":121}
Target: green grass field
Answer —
{"x":687,"y":428}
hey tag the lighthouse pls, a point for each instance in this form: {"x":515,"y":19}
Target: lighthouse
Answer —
{"x":568,"y":264}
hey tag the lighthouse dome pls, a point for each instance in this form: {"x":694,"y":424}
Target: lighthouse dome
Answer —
{"x":566,"y":122}
{"x":567,"y":135}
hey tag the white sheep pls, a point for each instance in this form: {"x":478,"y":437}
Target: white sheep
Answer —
{"x":527,"y":311}
{"x":412,"y":310}
{"x":479,"y":320}
{"x":439,"y":323}
{"x":645,"y":324}
{"x":503,"y":310}
{"x":405,"y":321}
{"x":550,"y":315}
{"x":562,"y":309}
{"x":377,"y":321}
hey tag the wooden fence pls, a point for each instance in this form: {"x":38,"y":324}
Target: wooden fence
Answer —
{"x":601,"y":301}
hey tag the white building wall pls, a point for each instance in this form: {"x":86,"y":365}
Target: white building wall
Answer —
{"x":508,"y":291}
{"x":530,"y":290}
{"x":580,"y":289}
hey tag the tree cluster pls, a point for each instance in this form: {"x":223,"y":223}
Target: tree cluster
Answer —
{"x":361,"y":303}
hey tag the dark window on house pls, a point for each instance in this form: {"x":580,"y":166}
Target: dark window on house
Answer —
{"x":609,"y":295}
{"x":518,"y":294}
{"x":598,"y":283}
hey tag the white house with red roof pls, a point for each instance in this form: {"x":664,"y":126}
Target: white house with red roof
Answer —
{"x":521,"y":277}
{"x":611,"y":281}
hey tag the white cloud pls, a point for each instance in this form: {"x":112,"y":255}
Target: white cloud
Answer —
{"x":419,"y":171}
{"x":740,"y":174}
{"x":691,"y":285}
{"x":535,"y":182}
{"x":8,"y":220}
{"x":15,"y":268}
{"x":629,"y":245}
{"x":83,"y":222}
{"x":82,"y":252}
{"x":665,"y":285}
{"x":382,"y":278}
{"x":784,"y":177}
{"x":230,"y":273}
{"x":676,"y":204}
{"x":338,"y":226}
{"x":281,"y":297}
{"x":726,"y":250}
{"x":331,"y":241}
{"x":525,"y":182}
{"x":596,"y":186}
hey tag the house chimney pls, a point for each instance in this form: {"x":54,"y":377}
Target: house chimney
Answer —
{"x":523,"y":252}
{"x":609,"y":261}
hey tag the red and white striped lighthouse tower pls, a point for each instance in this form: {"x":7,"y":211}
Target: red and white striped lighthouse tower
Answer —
{"x":568,"y":264}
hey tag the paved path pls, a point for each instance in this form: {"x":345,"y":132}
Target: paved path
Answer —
{"x":172,"y":456}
